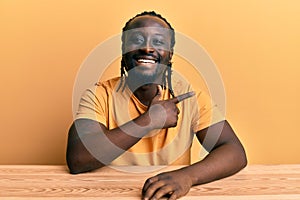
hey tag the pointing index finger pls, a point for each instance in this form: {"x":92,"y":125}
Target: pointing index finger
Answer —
{"x":182,"y":97}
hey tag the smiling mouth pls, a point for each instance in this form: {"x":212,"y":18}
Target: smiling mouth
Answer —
{"x":146,"y":61}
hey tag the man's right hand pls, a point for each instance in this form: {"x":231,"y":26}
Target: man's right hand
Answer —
{"x":164,"y":113}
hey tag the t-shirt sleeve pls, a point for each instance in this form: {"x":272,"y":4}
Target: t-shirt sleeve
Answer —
{"x":207,"y":112}
{"x":93,"y":105}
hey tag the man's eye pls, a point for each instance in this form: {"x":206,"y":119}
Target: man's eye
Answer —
{"x":158,"y":42}
{"x":138,"y":39}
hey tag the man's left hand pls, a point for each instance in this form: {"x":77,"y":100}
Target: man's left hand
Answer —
{"x":172,"y":185}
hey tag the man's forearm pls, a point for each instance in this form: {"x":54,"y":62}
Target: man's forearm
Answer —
{"x":91,"y":145}
{"x":222,"y":162}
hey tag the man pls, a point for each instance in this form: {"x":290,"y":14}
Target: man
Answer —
{"x":148,"y":117}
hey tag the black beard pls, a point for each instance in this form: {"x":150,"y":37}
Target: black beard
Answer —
{"x":137,"y":79}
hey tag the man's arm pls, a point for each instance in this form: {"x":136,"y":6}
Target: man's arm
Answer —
{"x":91,"y":145}
{"x":227,"y":156}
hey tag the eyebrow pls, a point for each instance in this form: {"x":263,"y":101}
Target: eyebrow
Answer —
{"x":159,"y":34}
{"x":138,"y":31}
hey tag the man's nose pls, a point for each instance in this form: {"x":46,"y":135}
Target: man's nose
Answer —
{"x":148,"y":47}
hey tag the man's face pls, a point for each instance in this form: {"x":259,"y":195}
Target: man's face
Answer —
{"x":147,"y":47}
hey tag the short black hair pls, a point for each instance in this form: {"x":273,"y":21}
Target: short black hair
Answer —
{"x":150,"y":13}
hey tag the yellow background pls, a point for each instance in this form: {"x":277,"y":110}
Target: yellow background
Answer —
{"x":255,"y":45}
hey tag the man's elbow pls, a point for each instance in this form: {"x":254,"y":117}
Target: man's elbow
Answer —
{"x":75,"y":170}
{"x":243,"y":159}
{"x":75,"y":166}
{"x":81,"y":164}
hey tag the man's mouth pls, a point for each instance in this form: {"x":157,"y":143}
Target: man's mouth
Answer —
{"x":143,"y":60}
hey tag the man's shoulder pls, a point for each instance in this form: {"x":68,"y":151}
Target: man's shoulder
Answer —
{"x":103,"y":87}
{"x":180,"y":84}
{"x":109,"y":82}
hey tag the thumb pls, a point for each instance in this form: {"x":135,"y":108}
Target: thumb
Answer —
{"x":158,"y":94}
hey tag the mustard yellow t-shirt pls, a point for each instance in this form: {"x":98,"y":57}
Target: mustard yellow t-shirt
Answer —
{"x":112,"y":107}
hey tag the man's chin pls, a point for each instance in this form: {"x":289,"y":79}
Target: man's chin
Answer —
{"x":142,"y":75}
{"x":139,"y":78}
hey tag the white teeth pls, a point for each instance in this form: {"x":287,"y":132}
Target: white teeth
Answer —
{"x":146,"y":61}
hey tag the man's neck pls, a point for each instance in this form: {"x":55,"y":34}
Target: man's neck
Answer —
{"x":142,"y":90}
{"x":146,"y":93}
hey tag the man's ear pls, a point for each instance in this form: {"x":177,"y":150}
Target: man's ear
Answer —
{"x":171,"y":54}
{"x":123,"y":64}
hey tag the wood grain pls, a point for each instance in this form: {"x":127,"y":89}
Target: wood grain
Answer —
{"x":272,"y":182}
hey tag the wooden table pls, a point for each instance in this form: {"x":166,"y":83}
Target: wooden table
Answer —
{"x":256,"y":182}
